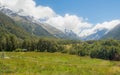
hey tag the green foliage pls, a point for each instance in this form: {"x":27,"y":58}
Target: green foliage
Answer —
{"x":47,"y":45}
{"x":108,"y":49}
{"x":102,"y":49}
{"x":72,"y":51}
{"x":8,"y":42}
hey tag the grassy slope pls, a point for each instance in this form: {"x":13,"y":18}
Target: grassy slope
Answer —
{"x":56,"y":64}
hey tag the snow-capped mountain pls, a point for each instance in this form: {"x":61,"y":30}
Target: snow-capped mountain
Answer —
{"x":35,"y":27}
{"x":99,"y":30}
{"x":97,"y":35}
{"x":9,"y":12}
{"x":71,"y":34}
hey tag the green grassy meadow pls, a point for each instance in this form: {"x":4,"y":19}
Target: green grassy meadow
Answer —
{"x":36,"y":63}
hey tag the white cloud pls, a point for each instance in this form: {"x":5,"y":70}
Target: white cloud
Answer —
{"x":105,"y":25}
{"x":70,"y":22}
{"x":28,"y":8}
{"x":108,"y":25}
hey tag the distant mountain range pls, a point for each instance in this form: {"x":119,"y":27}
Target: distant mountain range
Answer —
{"x":96,"y":36}
{"x":26,"y":26}
{"x":12,"y":23}
{"x":104,"y":33}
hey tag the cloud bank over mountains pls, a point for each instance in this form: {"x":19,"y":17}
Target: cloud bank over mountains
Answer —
{"x":105,"y":25}
{"x":71,"y":22}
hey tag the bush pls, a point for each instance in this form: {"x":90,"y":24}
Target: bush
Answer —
{"x":82,"y":53}
{"x":114,"y":53}
{"x":109,"y":53}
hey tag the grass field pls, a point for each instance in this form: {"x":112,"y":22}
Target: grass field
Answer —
{"x":33,"y":63}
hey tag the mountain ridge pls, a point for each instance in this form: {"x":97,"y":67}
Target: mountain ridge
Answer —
{"x":34,"y":27}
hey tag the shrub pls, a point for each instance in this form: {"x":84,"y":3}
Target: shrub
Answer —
{"x":109,"y":53}
{"x":82,"y":53}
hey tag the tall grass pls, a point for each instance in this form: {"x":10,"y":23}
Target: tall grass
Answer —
{"x":34,"y":63}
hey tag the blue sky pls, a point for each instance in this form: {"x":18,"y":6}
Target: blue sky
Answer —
{"x":97,"y":11}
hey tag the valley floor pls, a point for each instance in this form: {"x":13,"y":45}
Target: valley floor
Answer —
{"x":35,"y":63}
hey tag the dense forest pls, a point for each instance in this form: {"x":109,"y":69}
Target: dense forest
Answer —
{"x":103,"y":49}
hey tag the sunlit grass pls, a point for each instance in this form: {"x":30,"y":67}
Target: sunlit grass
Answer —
{"x":35,"y":63}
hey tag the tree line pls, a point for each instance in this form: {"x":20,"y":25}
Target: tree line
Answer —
{"x":103,"y":49}
{"x":12,"y":43}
